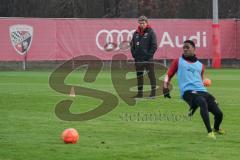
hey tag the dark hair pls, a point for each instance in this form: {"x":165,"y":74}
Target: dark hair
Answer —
{"x":143,"y":18}
{"x":190,"y":42}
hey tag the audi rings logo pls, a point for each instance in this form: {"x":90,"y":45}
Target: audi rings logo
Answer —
{"x":114,"y":40}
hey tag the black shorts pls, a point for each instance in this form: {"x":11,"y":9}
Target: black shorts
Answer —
{"x":189,"y":97}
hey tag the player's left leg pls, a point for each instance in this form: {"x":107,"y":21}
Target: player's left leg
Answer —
{"x":213,"y":107}
{"x":204,"y":112}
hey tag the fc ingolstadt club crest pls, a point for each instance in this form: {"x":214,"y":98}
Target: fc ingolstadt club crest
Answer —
{"x":21,"y":37}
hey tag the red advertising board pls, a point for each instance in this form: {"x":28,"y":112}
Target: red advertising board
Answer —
{"x":63,"y":39}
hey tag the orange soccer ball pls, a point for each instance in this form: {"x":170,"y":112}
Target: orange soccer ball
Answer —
{"x":207,"y":82}
{"x":70,"y":135}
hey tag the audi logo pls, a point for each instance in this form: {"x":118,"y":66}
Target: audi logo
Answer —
{"x":113,"y":40}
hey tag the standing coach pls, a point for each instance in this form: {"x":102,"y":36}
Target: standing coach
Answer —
{"x":143,"y":47}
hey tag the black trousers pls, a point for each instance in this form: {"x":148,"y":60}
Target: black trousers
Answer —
{"x":207,"y":103}
{"x":149,"y":67}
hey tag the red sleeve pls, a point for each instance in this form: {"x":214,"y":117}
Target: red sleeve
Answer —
{"x":171,"y":72}
{"x":172,"y":69}
{"x":202,"y":71}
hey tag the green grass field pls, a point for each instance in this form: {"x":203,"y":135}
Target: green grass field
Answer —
{"x":30,"y":129}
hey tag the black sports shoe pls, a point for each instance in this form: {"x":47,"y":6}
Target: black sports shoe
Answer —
{"x":152,"y":95}
{"x":139,"y":95}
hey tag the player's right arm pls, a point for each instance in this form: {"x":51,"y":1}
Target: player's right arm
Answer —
{"x":170,"y":73}
{"x":132,"y":44}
